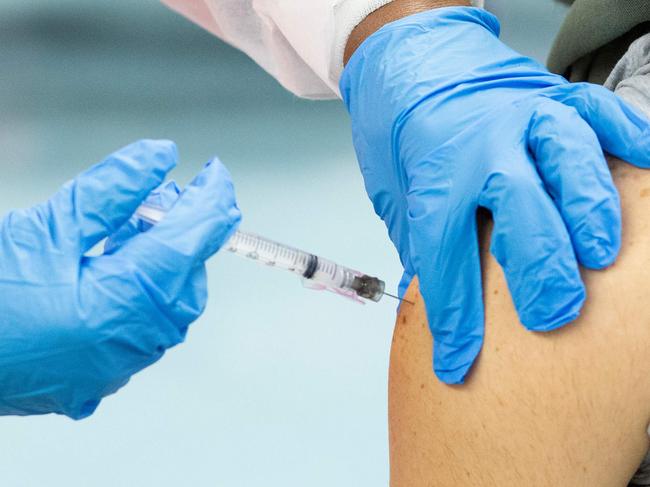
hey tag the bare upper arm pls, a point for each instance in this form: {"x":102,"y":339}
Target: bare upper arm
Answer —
{"x":568,"y":407}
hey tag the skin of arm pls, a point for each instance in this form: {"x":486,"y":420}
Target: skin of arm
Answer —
{"x":389,"y":13}
{"x":566,"y":408}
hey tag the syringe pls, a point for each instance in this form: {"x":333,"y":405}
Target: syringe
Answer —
{"x":316,"y":272}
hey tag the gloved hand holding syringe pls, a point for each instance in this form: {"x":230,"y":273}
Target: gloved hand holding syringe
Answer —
{"x":316,"y":272}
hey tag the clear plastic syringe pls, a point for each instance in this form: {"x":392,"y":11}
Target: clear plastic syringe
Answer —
{"x":316,"y":272}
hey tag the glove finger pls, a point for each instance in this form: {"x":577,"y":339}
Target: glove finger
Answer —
{"x":533,"y":247}
{"x":201,"y":221}
{"x":100,"y":200}
{"x":572,"y":165}
{"x":622,"y":130}
{"x":163,"y":197}
{"x":204,"y":217}
{"x":444,"y":251}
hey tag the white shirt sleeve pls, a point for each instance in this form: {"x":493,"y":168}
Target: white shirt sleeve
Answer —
{"x":299,"y":42}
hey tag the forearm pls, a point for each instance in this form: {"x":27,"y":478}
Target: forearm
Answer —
{"x":389,"y":13}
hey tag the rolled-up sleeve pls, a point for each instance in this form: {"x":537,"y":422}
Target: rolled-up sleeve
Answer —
{"x":299,"y":42}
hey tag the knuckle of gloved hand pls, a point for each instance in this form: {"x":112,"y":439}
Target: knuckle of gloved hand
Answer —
{"x":69,"y":381}
{"x":141,"y":311}
{"x":231,"y":220}
{"x":226,"y":213}
{"x":190,"y":302}
{"x":156,"y":331}
{"x":117,"y":349}
{"x":582,"y":94}
{"x":184,"y":314}
{"x":226,"y":204}
{"x":174,"y":311}
{"x":172,"y":329}
{"x":82,"y":399}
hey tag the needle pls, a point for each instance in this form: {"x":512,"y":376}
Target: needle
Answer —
{"x":398,"y":298}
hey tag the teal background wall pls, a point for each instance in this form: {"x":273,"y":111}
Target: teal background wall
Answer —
{"x":276,"y":385}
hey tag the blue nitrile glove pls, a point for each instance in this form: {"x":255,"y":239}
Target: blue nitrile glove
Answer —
{"x":74,"y":328}
{"x":446,"y":119}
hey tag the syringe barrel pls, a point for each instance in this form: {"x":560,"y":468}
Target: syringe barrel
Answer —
{"x":323,"y":272}
{"x":304,"y":264}
{"x":267,"y":251}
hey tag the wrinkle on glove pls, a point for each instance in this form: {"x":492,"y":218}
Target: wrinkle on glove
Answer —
{"x":75,"y":328}
{"x":447,"y":119}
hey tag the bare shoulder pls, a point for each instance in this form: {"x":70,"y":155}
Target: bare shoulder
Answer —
{"x":569,"y":407}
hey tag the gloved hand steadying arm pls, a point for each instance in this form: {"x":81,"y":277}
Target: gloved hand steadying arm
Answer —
{"x":446,"y":119}
{"x":74,"y":328}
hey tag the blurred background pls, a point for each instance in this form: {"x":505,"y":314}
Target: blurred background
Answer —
{"x":276,"y":385}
